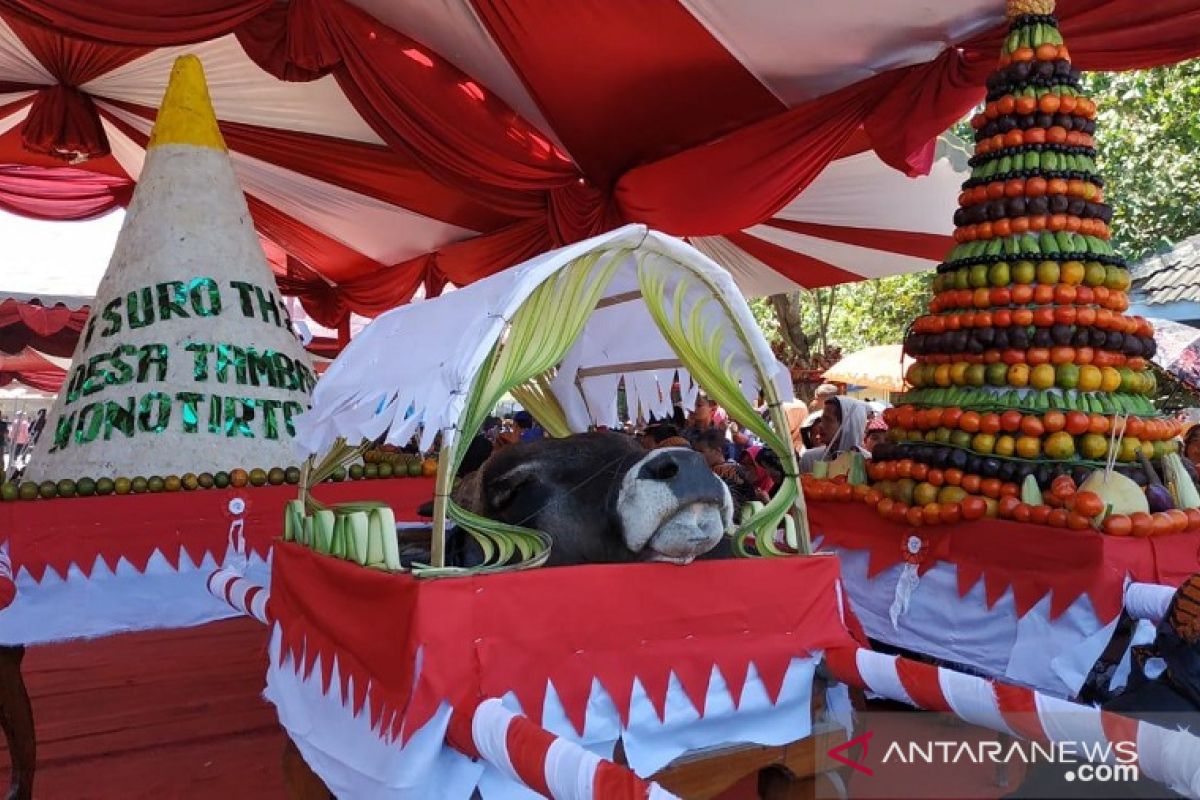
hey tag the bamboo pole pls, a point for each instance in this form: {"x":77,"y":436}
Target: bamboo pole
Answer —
{"x":441,"y":494}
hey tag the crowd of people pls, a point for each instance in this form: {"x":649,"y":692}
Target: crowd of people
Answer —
{"x":18,"y":434}
{"x":824,"y":429}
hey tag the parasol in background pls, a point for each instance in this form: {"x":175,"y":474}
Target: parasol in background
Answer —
{"x":880,"y":367}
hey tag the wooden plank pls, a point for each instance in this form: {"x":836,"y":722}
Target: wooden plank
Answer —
{"x":632,"y":366}
{"x":706,"y":774}
{"x":175,"y":713}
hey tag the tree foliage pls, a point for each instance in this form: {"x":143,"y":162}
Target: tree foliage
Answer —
{"x":1147,"y":135}
{"x":842,"y":319}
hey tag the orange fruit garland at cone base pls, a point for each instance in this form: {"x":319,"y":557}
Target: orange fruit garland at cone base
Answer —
{"x":1028,"y":371}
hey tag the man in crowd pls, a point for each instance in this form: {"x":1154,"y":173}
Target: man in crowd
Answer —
{"x":823,"y":393}
{"x":527,"y":428}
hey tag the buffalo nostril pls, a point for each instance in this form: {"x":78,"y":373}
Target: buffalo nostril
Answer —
{"x":663,"y":468}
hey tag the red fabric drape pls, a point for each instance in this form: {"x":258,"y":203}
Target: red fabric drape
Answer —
{"x":744,"y":178}
{"x":60,"y":193}
{"x":41,"y":320}
{"x":1101,"y":34}
{"x":456,"y":131}
{"x":625,"y":87}
{"x":62,"y":121}
{"x":143,"y":23}
{"x":932,"y":246}
{"x":51,"y":330}
{"x":43,"y":381}
{"x":368,"y":169}
{"x":446,"y":123}
{"x":368,"y":296}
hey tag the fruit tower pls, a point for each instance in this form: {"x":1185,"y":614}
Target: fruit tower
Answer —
{"x":1028,"y":377}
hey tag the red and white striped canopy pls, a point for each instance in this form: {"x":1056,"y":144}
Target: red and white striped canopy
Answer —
{"x":387,"y":145}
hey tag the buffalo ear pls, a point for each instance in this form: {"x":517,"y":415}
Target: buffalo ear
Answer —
{"x":499,"y":490}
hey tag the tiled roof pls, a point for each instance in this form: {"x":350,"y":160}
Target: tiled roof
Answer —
{"x":1171,"y":277}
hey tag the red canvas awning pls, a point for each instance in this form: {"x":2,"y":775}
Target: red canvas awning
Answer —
{"x":386,"y":146}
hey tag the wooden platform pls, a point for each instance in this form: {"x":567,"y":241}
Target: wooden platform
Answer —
{"x":161,"y":714}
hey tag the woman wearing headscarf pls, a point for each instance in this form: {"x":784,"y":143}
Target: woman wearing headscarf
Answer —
{"x":843,"y":425}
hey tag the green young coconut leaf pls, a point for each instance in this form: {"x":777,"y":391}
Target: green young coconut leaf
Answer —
{"x":540,"y":333}
{"x":699,"y":345}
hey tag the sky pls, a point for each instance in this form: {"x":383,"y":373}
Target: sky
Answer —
{"x":55,"y":258}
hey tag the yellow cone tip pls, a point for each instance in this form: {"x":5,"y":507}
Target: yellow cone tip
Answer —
{"x":186,"y":114}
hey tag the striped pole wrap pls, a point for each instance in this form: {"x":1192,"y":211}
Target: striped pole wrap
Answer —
{"x":1169,"y":757}
{"x":248,"y":598}
{"x":549,"y":765}
{"x":8,"y":587}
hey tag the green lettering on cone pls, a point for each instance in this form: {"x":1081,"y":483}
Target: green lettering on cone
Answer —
{"x":269,"y":407}
{"x":191,"y":419}
{"x":140,"y":307}
{"x":119,"y":417}
{"x":200,"y":290}
{"x":62,"y":432}
{"x":171,"y":297}
{"x":91,"y":418}
{"x":154,"y":412}
{"x":152,"y":355}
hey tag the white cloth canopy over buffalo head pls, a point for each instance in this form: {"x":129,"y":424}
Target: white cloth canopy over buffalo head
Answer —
{"x":562,"y":331}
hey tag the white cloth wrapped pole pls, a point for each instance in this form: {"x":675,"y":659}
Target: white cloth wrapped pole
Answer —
{"x":1169,"y":757}
{"x":248,"y":598}
{"x":1148,"y":601}
{"x":549,"y":765}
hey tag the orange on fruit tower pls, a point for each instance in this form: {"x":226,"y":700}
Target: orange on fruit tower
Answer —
{"x":1031,"y":386}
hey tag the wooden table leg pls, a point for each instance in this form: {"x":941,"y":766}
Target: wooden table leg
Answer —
{"x":300,"y":782}
{"x":16,"y":718}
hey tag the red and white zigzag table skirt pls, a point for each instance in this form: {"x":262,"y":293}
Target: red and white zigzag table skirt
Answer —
{"x":661,"y":658}
{"x":1024,"y":603}
{"x":94,"y":566}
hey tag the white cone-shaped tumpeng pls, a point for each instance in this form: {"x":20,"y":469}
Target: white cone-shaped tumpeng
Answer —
{"x":189,"y":362}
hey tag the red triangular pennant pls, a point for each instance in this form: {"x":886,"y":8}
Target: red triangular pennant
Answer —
{"x":771,"y":670}
{"x":694,"y":674}
{"x":1026,"y":595}
{"x":655,"y":680}
{"x":574,"y":688}
{"x":358,"y":696}
{"x":618,"y":683}
{"x":968,"y":577}
{"x":995,"y":585}
{"x":734,"y":671}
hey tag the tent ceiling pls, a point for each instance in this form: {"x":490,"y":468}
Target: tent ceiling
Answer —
{"x":387,"y":145}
